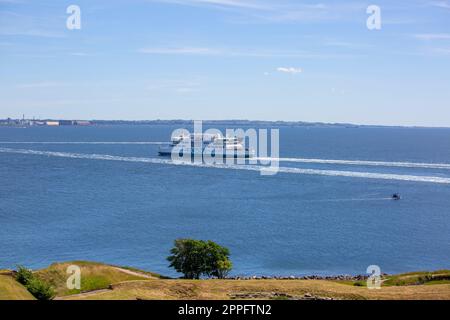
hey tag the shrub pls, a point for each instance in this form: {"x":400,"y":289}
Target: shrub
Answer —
{"x":23,"y":275}
{"x":38,"y":288}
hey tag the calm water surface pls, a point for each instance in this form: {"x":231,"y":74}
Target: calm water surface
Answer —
{"x":128,"y":213}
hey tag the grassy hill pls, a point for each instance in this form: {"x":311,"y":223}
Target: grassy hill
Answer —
{"x":105,"y":282}
{"x":94,"y":276}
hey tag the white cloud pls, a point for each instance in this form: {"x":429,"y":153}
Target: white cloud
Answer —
{"x":15,"y":24}
{"x":47,"y":84}
{"x":219,"y":3}
{"x":184,"y":50}
{"x":277,"y":11}
{"x":441,"y":4}
{"x":433,"y":36}
{"x":79,"y":54}
{"x":240,"y":52}
{"x":174,"y":86}
{"x":441,"y":51}
{"x":290,"y":70}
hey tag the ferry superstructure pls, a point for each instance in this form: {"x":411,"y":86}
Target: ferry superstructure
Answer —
{"x":204,"y":144}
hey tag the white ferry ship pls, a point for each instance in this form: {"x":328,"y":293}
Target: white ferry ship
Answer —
{"x":202,"y":144}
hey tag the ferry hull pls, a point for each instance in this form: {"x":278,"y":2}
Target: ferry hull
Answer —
{"x":246,"y":155}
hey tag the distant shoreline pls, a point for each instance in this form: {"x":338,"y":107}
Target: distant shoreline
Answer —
{"x":20,"y":123}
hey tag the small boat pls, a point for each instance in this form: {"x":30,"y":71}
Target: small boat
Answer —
{"x":396,"y":196}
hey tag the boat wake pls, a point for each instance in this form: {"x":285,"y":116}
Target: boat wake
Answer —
{"x":363,"y":163}
{"x":348,"y":200}
{"x":333,"y":173}
{"x":297,"y":160}
{"x":85,"y":142}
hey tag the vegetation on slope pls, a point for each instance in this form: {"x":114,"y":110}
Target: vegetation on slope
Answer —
{"x":418,"y":278}
{"x":101,"y":281}
{"x":94,"y":276}
{"x":38,"y":288}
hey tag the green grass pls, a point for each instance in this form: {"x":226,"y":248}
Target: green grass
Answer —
{"x":418,"y":278}
{"x":407,"y":279}
{"x":94,"y":276}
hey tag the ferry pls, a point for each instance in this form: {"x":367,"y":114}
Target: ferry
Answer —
{"x":214,"y":145}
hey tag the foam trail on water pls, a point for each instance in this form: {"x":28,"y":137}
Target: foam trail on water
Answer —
{"x":298,"y":160}
{"x":363,"y":163}
{"x":333,"y":173}
{"x":85,"y":142}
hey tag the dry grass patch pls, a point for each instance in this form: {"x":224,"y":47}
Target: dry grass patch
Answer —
{"x":225,"y":289}
{"x":10,"y":289}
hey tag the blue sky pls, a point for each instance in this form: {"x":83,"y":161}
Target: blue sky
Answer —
{"x":227,"y":59}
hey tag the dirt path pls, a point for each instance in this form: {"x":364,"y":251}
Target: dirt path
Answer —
{"x":84,"y":294}
{"x":135,"y":273}
{"x":101,"y":291}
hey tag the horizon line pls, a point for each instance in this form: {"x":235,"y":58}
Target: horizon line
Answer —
{"x":236,"y":120}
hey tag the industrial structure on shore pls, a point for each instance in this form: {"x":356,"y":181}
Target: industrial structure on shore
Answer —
{"x":50,"y":123}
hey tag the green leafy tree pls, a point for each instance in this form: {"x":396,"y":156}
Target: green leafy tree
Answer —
{"x":223,"y":268}
{"x":218,"y":263}
{"x":196,"y":258}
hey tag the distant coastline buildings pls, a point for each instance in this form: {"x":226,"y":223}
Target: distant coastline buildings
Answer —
{"x":49,"y":123}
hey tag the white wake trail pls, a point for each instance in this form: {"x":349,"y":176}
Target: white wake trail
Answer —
{"x":297,"y":160}
{"x":333,"y":173}
{"x":85,"y":142}
{"x":363,"y":163}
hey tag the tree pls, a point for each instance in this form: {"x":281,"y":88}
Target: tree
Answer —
{"x":196,"y":258}
{"x":218,"y":263}
{"x":223,"y":268}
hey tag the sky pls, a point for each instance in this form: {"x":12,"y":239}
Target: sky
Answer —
{"x":287,"y":60}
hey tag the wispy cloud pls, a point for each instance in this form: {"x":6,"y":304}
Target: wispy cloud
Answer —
{"x":433,"y":36}
{"x":80,"y":54}
{"x":219,"y":3}
{"x":239,"y":52}
{"x":441,"y":4}
{"x":174,"y":86}
{"x":11,"y":1}
{"x":290,"y":70}
{"x":441,"y":51}
{"x":181,"y":51}
{"x":15,"y":24}
{"x":277,"y":11}
{"x":45,"y":84}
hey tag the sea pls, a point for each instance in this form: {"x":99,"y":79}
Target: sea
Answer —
{"x":102,"y":193}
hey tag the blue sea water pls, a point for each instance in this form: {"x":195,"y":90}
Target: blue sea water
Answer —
{"x":127,"y":212}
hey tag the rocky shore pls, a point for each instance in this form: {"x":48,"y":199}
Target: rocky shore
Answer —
{"x":276,"y":296}
{"x":312,"y":277}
